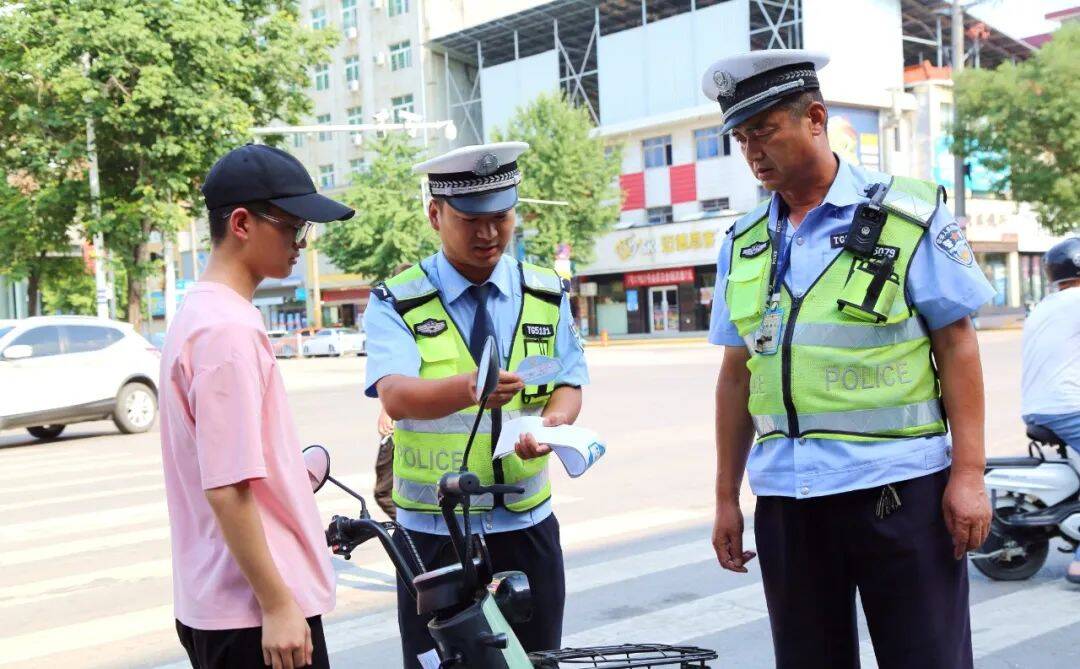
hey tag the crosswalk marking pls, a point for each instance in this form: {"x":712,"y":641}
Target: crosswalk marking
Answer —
{"x":45,"y":550}
{"x":44,"y":529}
{"x":66,"y":638}
{"x":674,"y":624}
{"x":35,"y":591}
{"x":73,"y":467}
{"x":53,"y":485}
{"x":81,"y":497}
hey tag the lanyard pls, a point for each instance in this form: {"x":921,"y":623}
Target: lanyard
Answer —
{"x":781,"y":258}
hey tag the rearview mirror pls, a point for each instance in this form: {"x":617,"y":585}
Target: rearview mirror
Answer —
{"x":487,"y":372}
{"x":18,"y":352}
{"x":317,"y":462}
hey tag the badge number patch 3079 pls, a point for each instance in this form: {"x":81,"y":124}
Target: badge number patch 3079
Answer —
{"x":952,"y":242}
{"x":430,"y":327}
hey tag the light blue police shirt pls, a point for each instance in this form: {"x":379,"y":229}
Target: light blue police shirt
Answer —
{"x":391,"y":349}
{"x":942,"y":284}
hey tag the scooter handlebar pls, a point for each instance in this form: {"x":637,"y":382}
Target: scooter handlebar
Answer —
{"x":468,"y":483}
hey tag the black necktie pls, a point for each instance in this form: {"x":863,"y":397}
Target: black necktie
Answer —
{"x":482,"y":328}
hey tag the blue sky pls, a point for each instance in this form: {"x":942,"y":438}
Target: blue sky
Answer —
{"x":1021,"y":18}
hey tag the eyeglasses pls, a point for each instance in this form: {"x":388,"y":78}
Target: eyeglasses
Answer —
{"x":302,"y":228}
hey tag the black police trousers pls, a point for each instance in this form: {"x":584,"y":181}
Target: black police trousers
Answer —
{"x":535,"y":550}
{"x":815,"y":553}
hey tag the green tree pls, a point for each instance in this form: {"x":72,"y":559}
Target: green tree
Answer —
{"x":1024,"y":121}
{"x":169,"y":86}
{"x":390,"y":226}
{"x":67,"y":287}
{"x":564,"y":162}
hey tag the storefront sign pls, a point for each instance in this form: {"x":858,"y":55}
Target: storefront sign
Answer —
{"x":659,"y":246}
{"x":659,"y":277}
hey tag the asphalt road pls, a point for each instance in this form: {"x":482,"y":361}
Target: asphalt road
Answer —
{"x":85,"y":563}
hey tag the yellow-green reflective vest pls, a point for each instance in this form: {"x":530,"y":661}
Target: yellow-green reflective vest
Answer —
{"x":424,"y":450}
{"x":854,"y":361}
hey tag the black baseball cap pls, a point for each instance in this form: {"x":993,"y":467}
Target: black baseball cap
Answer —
{"x":257,"y":173}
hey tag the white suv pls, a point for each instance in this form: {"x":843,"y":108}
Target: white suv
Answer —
{"x":56,"y":370}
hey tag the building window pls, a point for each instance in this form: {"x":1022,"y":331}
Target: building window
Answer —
{"x":322,"y":77}
{"x":400,"y":56}
{"x":318,"y":18}
{"x":352,"y":69}
{"x":324,"y":119}
{"x":711,"y":143}
{"x":298,"y":140}
{"x":399,"y":104}
{"x":358,"y":166}
{"x":326,"y":176}
{"x":715,"y":205}
{"x":396,"y":7}
{"x":348,"y":15}
{"x":657,"y":151}
{"x":659,"y":215}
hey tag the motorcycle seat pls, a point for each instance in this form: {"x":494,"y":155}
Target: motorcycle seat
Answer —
{"x":1044,"y":435}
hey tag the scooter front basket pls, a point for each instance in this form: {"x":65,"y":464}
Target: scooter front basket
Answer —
{"x":626,"y":656}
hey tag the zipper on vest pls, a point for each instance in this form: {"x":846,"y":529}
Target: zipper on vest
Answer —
{"x":785,"y":368}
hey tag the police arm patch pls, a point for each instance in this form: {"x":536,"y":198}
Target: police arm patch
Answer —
{"x":952,"y":242}
{"x":430,"y":328}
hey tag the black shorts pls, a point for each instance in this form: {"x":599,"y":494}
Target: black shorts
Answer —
{"x":241,"y":648}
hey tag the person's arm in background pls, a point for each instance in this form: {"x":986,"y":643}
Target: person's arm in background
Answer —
{"x":564,"y":405}
{"x":965,"y":504}
{"x":393,"y":368}
{"x":385,"y":425}
{"x":947,"y":287}
{"x":227,"y":406}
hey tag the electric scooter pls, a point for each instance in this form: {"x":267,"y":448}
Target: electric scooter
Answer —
{"x":1034,"y":499}
{"x":472,"y":607}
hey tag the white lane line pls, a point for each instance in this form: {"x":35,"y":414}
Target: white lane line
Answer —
{"x":51,"y":550}
{"x":81,"y":497}
{"x":675,"y":624}
{"x":9,"y":473}
{"x":99,"y":631}
{"x":622,"y":524}
{"x":1001,"y":622}
{"x":91,"y":521}
{"x":53,"y":485}
{"x":60,"y":586}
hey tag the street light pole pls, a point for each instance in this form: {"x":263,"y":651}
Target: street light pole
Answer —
{"x":959,"y":187}
{"x":100,"y":280}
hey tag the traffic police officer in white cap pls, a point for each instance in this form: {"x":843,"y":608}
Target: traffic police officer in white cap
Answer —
{"x":425,"y":330}
{"x":843,"y":303}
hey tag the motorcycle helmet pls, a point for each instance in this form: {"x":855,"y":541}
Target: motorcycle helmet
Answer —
{"x":1062,"y":261}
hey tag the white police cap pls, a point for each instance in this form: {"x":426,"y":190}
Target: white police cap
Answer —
{"x":477,"y":179}
{"x":747,"y":84}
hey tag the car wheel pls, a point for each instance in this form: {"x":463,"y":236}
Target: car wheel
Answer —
{"x":287,"y":351}
{"x":46,"y":432}
{"x":307,"y":352}
{"x":334,"y":352}
{"x":136,"y":408}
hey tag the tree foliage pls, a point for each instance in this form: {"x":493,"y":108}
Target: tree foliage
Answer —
{"x":563,"y":163}
{"x":1024,"y":120}
{"x":391,"y":225}
{"x":169,"y":86}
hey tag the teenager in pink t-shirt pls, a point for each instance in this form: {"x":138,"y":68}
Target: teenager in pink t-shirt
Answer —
{"x":251,"y":570}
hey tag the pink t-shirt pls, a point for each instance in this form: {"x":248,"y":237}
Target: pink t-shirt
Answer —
{"x":225,"y":419}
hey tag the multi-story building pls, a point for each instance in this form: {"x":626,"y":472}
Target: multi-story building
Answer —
{"x":636,"y":66}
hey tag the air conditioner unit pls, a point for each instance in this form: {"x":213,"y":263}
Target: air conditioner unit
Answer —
{"x":357,"y":139}
{"x":380,"y":59}
{"x":354,"y":85}
{"x":351,"y":32}
{"x":377,"y":4}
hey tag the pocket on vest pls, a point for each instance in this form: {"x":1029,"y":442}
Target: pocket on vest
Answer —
{"x":746,"y":294}
{"x":439,"y":355}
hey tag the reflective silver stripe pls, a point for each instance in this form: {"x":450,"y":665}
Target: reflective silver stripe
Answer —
{"x":461,"y":422}
{"x":858,"y":421}
{"x":882,"y":419}
{"x":428,"y":493}
{"x":546,"y":281}
{"x":765,"y":424}
{"x":839,"y":335}
{"x":774,"y":91}
{"x":533,"y":486}
{"x":411,"y":289}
